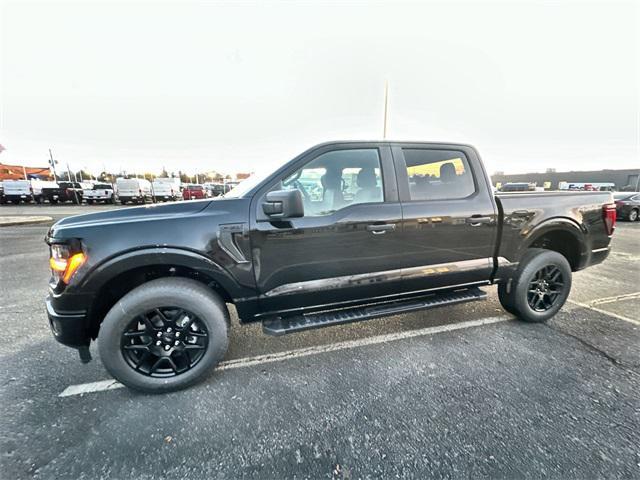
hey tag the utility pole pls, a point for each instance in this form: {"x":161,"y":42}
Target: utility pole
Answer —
{"x":386,"y":105}
{"x":75,"y":191}
{"x":53,"y":166}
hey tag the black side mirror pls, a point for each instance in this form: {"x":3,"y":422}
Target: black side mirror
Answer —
{"x":284,"y":204}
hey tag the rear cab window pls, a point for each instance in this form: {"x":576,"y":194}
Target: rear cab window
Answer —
{"x":435,"y":174}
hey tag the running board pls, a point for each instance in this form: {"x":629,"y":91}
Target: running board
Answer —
{"x":297,"y":323}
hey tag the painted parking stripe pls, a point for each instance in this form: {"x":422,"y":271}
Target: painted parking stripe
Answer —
{"x":604,"y":312}
{"x":617,"y":298}
{"x":303,"y":352}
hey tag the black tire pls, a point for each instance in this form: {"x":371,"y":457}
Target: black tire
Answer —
{"x":633,"y":215}
{"x":539,"y":287}
{"x":505,"y":298}
{"x":179,"y":293}
{"x":112,"y":200}
{"x":90,"y":202}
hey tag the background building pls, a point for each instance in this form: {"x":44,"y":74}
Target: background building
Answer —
{"x":17,"y":172}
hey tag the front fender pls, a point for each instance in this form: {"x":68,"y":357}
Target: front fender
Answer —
{"x":99,"y":275}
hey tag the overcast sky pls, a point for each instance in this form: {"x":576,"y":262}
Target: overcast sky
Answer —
{"x":218,"y":86}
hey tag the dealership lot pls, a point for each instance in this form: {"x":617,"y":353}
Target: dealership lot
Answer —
{"x":458,"y":392}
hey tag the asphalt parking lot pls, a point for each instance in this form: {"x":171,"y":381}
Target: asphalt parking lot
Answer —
{"x":464,"y":391}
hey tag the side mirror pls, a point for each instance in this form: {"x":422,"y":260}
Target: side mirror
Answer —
{"x":284,"y":204}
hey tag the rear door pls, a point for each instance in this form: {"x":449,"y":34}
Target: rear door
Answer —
{"x":449,"y":216}
{"x":345,"y":247}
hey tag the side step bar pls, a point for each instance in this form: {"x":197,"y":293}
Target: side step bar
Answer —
{"x":297,"y":323}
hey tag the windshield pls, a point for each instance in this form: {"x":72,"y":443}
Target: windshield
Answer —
{"x":246,"y":185}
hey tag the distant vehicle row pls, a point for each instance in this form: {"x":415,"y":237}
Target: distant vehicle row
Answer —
{"x":533,"y":187}
{"x":126,"y":190}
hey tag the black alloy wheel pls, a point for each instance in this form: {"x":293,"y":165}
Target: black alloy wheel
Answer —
{"x":164,"y":342}
{"x":544,"y":288}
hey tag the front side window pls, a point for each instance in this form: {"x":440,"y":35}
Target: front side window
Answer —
{"x":438,"y":174}
{"x":338,"y":179}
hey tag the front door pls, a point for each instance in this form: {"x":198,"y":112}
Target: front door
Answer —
{"x":449,"y":216}
{"x":345,"y":247}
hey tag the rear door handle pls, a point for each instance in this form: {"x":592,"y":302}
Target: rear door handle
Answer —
{"x":476,"y":220}
{"x":380,"y":229}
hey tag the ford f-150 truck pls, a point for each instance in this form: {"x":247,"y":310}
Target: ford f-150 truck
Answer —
{"x":347,"y":231}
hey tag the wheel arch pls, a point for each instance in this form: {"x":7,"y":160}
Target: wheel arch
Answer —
{"x":562,"y":235}
{"x":114,"y":278}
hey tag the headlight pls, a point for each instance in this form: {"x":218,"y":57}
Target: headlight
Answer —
{"x":63,"y":263}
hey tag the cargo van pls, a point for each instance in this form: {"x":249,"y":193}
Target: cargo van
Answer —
{"x":135,"y":190}
{"x":16,"y":191}
{"x":166,"y":189}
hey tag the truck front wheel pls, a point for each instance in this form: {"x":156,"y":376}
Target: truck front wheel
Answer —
{"x":539,"y":288}
{"x":164,"y":335}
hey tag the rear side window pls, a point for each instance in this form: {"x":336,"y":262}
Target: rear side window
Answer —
{"x":438,"y":174}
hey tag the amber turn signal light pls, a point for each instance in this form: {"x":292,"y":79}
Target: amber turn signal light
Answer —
{"x":67,"y":267}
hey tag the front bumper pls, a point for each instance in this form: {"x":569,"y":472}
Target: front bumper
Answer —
{"x":68,"y":328}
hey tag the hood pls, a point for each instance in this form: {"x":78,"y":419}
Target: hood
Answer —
{"x":138,"y":214}
{"x":124,"y":214}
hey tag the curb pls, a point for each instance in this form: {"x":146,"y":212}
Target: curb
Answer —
{"x":13,"y":221}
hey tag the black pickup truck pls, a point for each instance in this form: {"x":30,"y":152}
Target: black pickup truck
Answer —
{"x":64,"y":192}
{"x":347,"y":231}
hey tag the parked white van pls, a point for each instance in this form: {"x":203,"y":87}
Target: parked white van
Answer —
{"x":16,"y":191}
{"x":166,"y":189}
{"x":135,"y":190}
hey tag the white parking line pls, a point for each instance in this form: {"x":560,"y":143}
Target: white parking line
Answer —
{"x":302,"y":352}
{"x":628,"y":296}
{"x":604,"y":312}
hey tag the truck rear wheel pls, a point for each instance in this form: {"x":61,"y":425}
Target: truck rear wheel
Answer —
{"x":539,"y":288}
{"x":165,"y":335}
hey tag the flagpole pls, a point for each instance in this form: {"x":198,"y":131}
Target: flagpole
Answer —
{"x":386,"y":104}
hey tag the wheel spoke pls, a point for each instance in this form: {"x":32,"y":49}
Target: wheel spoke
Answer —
{"x":162,"y":316}
{"x":148,"y":324}
{"x":196,"y":334}
{"x":137,"y":347}
{"x":137,"y":333}
{"x":172,"y":363}
{"x":142,"y":359}
{"x":194,"y":346}
{"x":176,"y":316}
{"x":157,"y":364}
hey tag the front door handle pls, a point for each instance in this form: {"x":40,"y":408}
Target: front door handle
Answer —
{"x":381,"y":229}
{"x":476,"y":220}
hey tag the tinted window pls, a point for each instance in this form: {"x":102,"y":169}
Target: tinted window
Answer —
{"x":438,"y":174}
{"x":338,"y":179}
{"x":100,"y":186}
